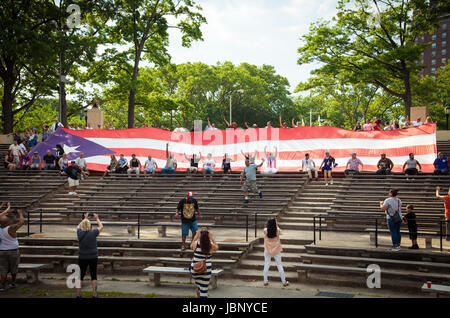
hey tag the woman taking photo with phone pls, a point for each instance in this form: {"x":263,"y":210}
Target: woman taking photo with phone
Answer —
{"x":203,"y":246}
{"x":87,"y":251}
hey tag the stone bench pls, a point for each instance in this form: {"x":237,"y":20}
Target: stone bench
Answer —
{"x":438,"y":290}
{"x":427,"y":235}
{"x":162,"y":226}
{"x":157,"y":271}
{"x":32,"y":271}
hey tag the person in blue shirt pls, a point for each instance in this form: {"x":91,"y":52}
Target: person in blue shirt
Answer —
{"x":327,"y":166}
{"x":122,"y":164}
{"x":441,"y":164}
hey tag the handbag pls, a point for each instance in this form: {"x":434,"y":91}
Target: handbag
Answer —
{"x":396,"y":218}
{"x":200,"y":267}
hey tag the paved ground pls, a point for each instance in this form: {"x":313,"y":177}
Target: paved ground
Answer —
{"x":121,"y":286}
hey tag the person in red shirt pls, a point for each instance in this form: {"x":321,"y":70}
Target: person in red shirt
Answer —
{"x":233,"y":125}
{"x":446,"y":199}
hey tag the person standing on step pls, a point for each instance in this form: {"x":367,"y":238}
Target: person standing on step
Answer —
{"x":327,"y":167}
{"x":188,"y":208}
{"x":9,"y":246}
{"x":446,"y":199}
{"x":310,"y":167}
{"x":72,"y":173}
{"x":88,"y":251}
{"x":393,"y":208}
{"x":249,"y":184}
{"x":204,"y":245}
{"x":272,"y":248}
{"x":410,"y":220}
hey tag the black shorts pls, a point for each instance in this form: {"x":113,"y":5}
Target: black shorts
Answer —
{"x":84,"y":264}
{"x":412,"y":171}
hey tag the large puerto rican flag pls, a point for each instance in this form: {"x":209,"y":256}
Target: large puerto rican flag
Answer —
{"x":291,"y":143}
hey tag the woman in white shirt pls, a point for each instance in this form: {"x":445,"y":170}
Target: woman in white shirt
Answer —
{"x":272,"y":248}
{"x":208,"y":166}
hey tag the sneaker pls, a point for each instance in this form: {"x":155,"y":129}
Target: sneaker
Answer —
{"x":260,"y":195}
{"x":266,"y":284}
{"x":331,"y":182}
{"x":414,"y":247}
{"x":326,"y":184}
{"x":12,"y":285}
{"x":183,"y":248}
{"x":286,"y":284}
{"x":398,"y":248}
{"x":70,"y":193}
{"x":74,"y":193}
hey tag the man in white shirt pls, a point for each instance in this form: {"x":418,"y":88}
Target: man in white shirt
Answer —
{"x":180,"y":129}
{"x":210,"y":127}
{"x":82,"y":164}
{"x":150,"y":166}
{"x":208,"y":166}
{"x":310,"y":166}
{"x":16,"y":150}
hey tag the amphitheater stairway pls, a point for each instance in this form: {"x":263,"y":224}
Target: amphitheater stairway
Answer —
{"x":405,"y":270}
{"x":126,"y":257}
{"x":251,"y":266}
{"x":314,"y":199}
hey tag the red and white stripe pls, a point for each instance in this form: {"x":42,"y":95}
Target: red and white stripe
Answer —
{"x":291,"y":143}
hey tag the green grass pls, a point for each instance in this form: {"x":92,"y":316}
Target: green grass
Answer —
{"x":115,"y":279}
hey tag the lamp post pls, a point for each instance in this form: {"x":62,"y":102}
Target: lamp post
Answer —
{"x":447,"y":114}
{"x":231,"y":104}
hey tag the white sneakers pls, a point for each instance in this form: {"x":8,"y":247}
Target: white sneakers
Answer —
{"x":73,"y":193}
{"x":395,"y":249}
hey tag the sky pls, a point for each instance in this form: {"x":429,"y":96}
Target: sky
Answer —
{"x":255,"y":31}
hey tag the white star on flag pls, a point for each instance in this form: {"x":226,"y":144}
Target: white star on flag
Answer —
{"x":68,"y":150}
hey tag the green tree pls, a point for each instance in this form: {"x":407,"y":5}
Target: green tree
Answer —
{"x":141,"y":27}
{"x":374,"y":42}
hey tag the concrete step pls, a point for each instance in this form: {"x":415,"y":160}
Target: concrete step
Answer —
{"x":285,"y":256}
{"x":273,"y":275}
{"x":296,"y":226}
{"x":258,"y":265}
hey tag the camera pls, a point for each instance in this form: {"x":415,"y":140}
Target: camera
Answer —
{"x":91,"y":215}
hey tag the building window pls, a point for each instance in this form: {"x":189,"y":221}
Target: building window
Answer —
{"x":444,"y":35}
{"x":444,"y":60}
{"x":433,"y":53}
{"x":422,"y":61}
{"x":433,"y":62}
{"x":433,"y":37}
{"x":444,"y":52}
{"x":433,"y":45}
{"x":444,"y":43}
{"x":433,"y":70}
{"x":444,"y":26}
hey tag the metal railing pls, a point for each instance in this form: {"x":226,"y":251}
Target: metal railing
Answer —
{"x":139,"y":223}
{"x":377,"y":221}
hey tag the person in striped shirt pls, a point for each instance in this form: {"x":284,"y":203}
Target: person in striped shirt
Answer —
{"x":203,"y":245}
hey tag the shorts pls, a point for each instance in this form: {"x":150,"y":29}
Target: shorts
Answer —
{"x":208,"y":170}
{"x":250,"y":186}
{"x":411,"y":171}
{"x":84,"y":264}
{"x":327,"y":169}
{"x":9,"y":262}
{"x":225,"y":170}
{"x":185,"y":227}
{"x":149,"y":170}
{"x":73,"y":182}
{"x":35,"y":166}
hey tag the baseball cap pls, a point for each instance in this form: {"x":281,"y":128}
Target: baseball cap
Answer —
{"x":190,"y":194}
{"x":354,"y":154}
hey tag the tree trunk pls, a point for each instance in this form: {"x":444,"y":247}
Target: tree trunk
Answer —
{"x":408,"y":94}
{"x":62,"y":90}
{"x":132,"y":96}
{"x":7,"y":105}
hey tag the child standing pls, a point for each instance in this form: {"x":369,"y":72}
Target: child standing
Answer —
{"x":410,"y":219}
